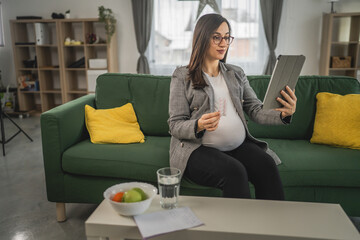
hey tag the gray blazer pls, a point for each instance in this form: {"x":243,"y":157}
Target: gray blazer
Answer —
{"x":187,"y":105}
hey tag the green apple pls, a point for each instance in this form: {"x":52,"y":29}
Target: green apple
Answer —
{"x":143,"y":194}
{"x":132,"y":196}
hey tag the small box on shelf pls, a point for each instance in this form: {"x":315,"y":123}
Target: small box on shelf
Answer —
{"x":92,"y":75}
{"x":341,"y":62}
{"x":98,"y":63}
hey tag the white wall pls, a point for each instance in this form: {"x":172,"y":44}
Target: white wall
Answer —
{"x":300,"y":27}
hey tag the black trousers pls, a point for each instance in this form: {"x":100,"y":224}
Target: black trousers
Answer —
{"x":231,"y":171}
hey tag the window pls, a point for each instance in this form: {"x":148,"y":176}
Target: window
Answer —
{"x":1,"y":28}
{"x":174,"y":22}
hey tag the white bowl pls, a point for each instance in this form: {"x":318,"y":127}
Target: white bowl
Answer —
{"x":130,"y":209}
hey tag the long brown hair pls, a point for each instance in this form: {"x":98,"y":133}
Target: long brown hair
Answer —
{"x":204,"y":29}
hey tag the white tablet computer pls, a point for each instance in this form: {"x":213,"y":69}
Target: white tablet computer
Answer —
{"x":286,"y":73}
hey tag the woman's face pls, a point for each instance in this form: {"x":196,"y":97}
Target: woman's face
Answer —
{"x":217,"y":51}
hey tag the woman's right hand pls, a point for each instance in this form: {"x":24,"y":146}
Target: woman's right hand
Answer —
{"x":209,"y":121}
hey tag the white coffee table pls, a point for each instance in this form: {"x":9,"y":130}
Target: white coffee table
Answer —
{"x":229,"y":219}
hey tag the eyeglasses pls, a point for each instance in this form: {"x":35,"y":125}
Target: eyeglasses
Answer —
{"x":218,"y":39}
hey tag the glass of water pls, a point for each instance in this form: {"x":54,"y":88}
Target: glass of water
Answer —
{"x":169,"y":186}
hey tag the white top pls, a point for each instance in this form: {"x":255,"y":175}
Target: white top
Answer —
{"x":230,"y":132}
{"x":230,"y":217}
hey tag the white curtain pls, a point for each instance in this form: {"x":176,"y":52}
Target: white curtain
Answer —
{"x":1,"y":28}
{"x":174,"y":22}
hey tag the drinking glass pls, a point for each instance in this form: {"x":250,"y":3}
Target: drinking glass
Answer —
{"x":169,"y":186}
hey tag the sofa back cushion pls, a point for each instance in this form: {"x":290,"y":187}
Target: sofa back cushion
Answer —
{"x":148,"y":94}
{"x":306,"y":89}
{"x":150,"y":98}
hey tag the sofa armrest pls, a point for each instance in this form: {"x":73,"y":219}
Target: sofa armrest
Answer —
{"x":61,"y":127}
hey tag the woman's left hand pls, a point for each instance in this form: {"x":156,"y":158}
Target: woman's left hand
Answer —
{"x":289,"y":104}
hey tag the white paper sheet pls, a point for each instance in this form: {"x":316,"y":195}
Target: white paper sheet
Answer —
{"x":156,"y":223}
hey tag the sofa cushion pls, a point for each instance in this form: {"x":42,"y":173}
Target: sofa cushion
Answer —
{"x":337,"y":120}
{"x":137,"y":161}
{"x":307,"y":164}
{"x":113,"y":125}
{"x":148,"y":94}
{"x":307,"y":87}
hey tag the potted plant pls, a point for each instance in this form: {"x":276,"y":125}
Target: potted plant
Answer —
{"x":67,"y":14}
{"x":106,"y":15}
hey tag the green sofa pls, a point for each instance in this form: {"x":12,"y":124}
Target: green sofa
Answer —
{"x":78,"y":171}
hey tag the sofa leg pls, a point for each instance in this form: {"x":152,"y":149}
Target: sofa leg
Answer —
{"x":60,"y":212}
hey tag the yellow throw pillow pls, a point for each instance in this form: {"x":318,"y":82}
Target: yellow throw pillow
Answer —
{"x":115,"y":125}
{"x":337,"y":120}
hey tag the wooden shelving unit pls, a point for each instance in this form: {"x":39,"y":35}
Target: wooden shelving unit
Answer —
{"x":340,"y":37}
{"x":56,"y":82}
